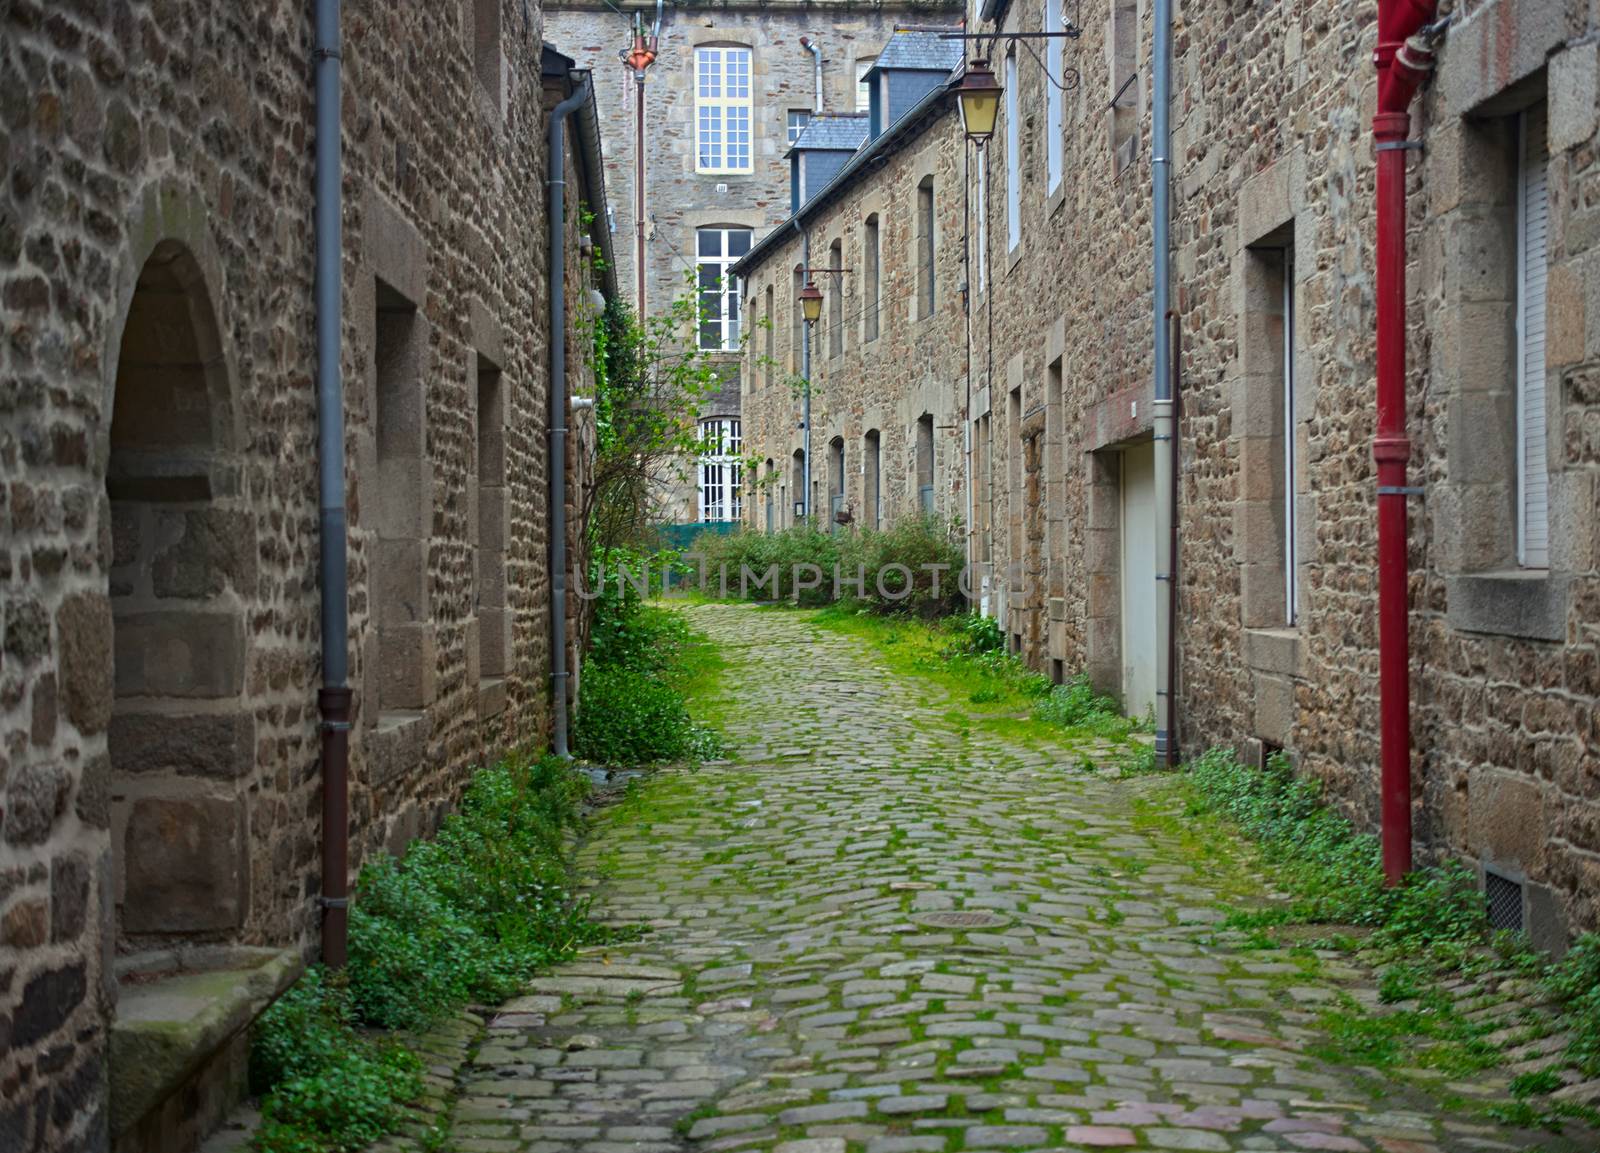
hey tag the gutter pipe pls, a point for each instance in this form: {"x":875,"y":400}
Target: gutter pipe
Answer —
{"x":805,"y":373}
{"x":1403,"y":57}
{"x":1162,"y":415}
{"x":811,"y":46}
{"x":333,"y":699}
{"x":555,"y":172}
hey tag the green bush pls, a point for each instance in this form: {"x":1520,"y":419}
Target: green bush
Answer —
{"x":739,"y":564}
{"x":331,"y":1090}
{"x":632,"y":706}
{"x":1573,"y":983}
{"x":1075,"y":705}
{"x":467,"y":916}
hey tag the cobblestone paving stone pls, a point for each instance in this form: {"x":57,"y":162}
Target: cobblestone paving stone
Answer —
{"x":876,"y":930}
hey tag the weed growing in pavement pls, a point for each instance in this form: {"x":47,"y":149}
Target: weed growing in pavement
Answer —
{"x":468,"y":915}
{"x":1432,"y":927}
{"x":329,"y":1089}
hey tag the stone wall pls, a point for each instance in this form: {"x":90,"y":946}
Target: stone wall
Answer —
{"x":159,"y":769}
{"x":678,"y":199}
{"x":881,"y":366}
{"x":1272,"y":154}
{"x":1273,"y":214}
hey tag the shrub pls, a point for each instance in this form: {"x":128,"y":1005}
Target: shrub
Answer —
{"x":331,"y":1088}
{"x":468,"y":915}
{"x":631,"y":697}
{"x":838,"y":559}
{"x":1075,"y":705}
{"x":1574,"y":984}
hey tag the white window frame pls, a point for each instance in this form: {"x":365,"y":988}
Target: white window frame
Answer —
{"x":723,"y":109}
{"x":863,"y":89}
{"x":1054,"y":102}
{"x":725,"y":315}
{"x":795,"y":121}
{"x":721,"y":495}
{"x":1013,"y":159}
{"x":1533,"y":254}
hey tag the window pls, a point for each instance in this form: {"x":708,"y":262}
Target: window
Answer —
{"x":835,"y":482}
{"x":836,"y":300}
{"x":925,"y":465}
{"x":716,"y":249}
{"x":1533,"y":466}
{"x":1124,"y":110}
{"x":720,"y":478}
{"x":1291,"y":589}
{"x":767,"y":337}
{"x":925,"y":250}
{"x":798,"y":119}
{"x":797,"y":322}
{"x":872,"y":471}
{"x":1013,"y":160}
{"x":1053,"y":96}
{"x":487,"y":59}
{"x":722,"y":110}
{"x":493,"y":609}
{"x":870,"y":257}
{"x":863,"y":89}
{"x":1267,"y":420}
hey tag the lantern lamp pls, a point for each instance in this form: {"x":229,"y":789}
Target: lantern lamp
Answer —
{"x":811,"y":302}
{"x":979,"y":95}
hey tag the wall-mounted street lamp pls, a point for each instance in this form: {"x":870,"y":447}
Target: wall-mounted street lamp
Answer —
{"x":811,"y":302}
{"x":979,"y":96}
{"x":811,"y":311}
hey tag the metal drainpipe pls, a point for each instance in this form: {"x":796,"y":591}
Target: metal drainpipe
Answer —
{"x":333,"y":699}
{"x":816,"y":63}
{"x":555,"y":172}
{"x":805,"y":374}
{"x":1403,"y":58}
{"x":1164,"y":430}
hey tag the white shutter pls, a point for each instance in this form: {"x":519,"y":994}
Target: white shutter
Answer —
{"x":1533,"y":466}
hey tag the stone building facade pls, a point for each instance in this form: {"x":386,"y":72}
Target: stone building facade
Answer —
{"x":704,"y":209}
{"x":888,"y":360}
{"x":159,"y":550}
{"x":1273,"y":274}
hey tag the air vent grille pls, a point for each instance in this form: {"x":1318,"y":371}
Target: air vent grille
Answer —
{"x":1505,"y":901}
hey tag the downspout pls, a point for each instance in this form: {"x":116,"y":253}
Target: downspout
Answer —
{"x":805,"y":374}
{"x":555,"y":172}
{"x":333,"y":699}
{"x":1161,"y":415}
{"x":1403,"y":57}
{"x":816,"y":64}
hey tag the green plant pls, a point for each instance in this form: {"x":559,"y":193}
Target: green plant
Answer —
{"x":329,"y":1089}
{"x":467,"y":915}
{"x":1075,"y":705}
{"x":632,"y":706}
{"x":1573,"y":983}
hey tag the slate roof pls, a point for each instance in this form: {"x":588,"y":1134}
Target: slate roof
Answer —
{"x":919,"y":52}
{"x":834,"y":132}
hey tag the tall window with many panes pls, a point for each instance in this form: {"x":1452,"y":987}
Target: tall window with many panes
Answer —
{"x":722,"y":109}
{"x":716,"y":249}
{"x":720,"y":479}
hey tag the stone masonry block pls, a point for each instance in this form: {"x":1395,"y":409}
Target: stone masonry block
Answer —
{"x":407,"y":664}
{"x":400,"y":581}
{"x":1506,"y":818}
{"x":1274,"y":708}
{"x":1572,"y":90}
{"x":84,"y":639}
{"x":183,"y":865}
{"x":220,"y":745}
{"x":494,"y":642}
{"x":180,"y":654}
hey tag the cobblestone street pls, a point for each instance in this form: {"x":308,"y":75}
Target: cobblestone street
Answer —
{"x":879,"y":928}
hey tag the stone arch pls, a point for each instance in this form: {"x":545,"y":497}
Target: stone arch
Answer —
{"x":182,"y":571}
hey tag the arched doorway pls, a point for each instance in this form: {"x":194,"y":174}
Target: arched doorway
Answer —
{"x":183,"y":568}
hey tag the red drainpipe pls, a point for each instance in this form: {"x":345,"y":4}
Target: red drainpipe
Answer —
{"x":1403,"y":58}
